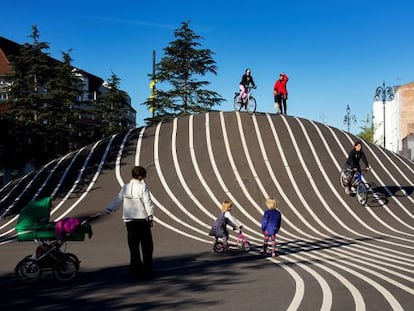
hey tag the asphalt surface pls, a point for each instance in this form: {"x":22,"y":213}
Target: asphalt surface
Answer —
{"x":333,"y":253}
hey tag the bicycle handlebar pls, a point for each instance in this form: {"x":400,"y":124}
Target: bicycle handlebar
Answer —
{"x":362,"y":170}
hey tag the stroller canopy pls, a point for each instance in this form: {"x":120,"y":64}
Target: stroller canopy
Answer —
{"x":37,"y":211}
{"x":33,"y":221}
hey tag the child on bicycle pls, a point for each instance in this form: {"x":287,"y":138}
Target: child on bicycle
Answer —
{"x":245,"y":82}
{"x":219,"y":227}
{"x":352,"y":164}
{"x":271,"y":222}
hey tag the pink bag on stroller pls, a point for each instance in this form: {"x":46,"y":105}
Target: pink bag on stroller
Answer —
{"x":66,"y":226}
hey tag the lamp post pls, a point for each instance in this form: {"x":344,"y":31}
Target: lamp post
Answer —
{"x":153,"y":86}
{"x":384,"y":93}
{"x":349,"y":117}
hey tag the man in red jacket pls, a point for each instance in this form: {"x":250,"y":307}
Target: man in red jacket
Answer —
{"x":280,"y":93}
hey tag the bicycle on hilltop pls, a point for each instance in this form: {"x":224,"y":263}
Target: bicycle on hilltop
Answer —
{"x":248,"y":102}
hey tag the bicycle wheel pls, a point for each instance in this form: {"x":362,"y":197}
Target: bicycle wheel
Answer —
{"x":67,"y":267}
{"x":237,"y":105}
{"x":27,"y":270}
{"x":344,"y":178}
{"x":251,"y":105}
{"x":362,"y":194}
{"x":218,"y":247}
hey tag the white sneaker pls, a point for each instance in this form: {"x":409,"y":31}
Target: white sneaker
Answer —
{"x":277,"y":109}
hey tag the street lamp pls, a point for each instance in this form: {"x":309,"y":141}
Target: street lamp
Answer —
{"x":349,"y":117}
{"x":384,"y":93}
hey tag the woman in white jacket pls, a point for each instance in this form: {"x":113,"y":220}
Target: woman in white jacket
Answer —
{"x":138,"y":211}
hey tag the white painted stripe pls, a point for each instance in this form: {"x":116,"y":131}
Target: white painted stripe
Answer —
{"x":67,"y":169}
{"x":91,"y":184}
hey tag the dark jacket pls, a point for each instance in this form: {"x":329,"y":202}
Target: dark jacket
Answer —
{"x":247,"y":80}
{"x":354,"y":158}
{"x":219,"y":227}
{"x":271,"y":221}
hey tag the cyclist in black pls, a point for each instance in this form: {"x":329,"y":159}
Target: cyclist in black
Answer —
{"x":353,"y":163}
{"x":245,"y":82}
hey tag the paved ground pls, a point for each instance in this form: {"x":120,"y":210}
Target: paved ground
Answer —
{"x":334,"y":254}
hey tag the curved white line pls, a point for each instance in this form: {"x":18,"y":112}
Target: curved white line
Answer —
{"x":355,"y":293}
{"x":53,"y":194}
{"x":195,"y":163}
{"x":78,"y":179}
{"x":91,"y":184}
{"x":322,"y":170}
{"x":326,"y":290}
{"x":155,"y":200}
{"x":180,"y":174}
{"x":52,"y":171}
{"x":66,"y":172}
{"x":384,"y":167}
{"x":220,"y":179}
{"x":26,"y":188}
{"x":299,"y":286}
{"x":164,"y":182}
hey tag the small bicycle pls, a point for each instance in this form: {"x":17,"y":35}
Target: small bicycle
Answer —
{"x":242,"y":244}
{"x":248,"y":102}
{"x":361,"y":187}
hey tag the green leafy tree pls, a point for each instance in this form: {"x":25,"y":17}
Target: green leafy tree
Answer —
{"x":180,"y":72}
{"x":367,"y":129}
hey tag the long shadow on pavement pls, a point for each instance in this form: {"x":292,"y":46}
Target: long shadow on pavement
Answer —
{"x":182,"y":282}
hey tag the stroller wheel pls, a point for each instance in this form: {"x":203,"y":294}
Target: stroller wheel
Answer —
{"x":75,"y":258}
{"x":67,"y":267}
{"x":27,"y":270}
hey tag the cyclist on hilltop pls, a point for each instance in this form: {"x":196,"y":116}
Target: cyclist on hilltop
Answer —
{"x":353,"y":163}
{"x":245,"y":82}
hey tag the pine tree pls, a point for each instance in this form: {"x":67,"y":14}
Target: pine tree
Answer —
{"x":40,"y":110}
{"x":28,"y":104}
{"x":111,"y":108}
{"x":62,"y":114}
{"x":183,"y":64}
{"x":43,"y":114}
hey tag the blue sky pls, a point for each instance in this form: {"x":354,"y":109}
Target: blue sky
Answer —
{"x":335,"y":52}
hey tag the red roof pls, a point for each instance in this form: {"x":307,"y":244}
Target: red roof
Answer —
{"x":4,"y":64}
